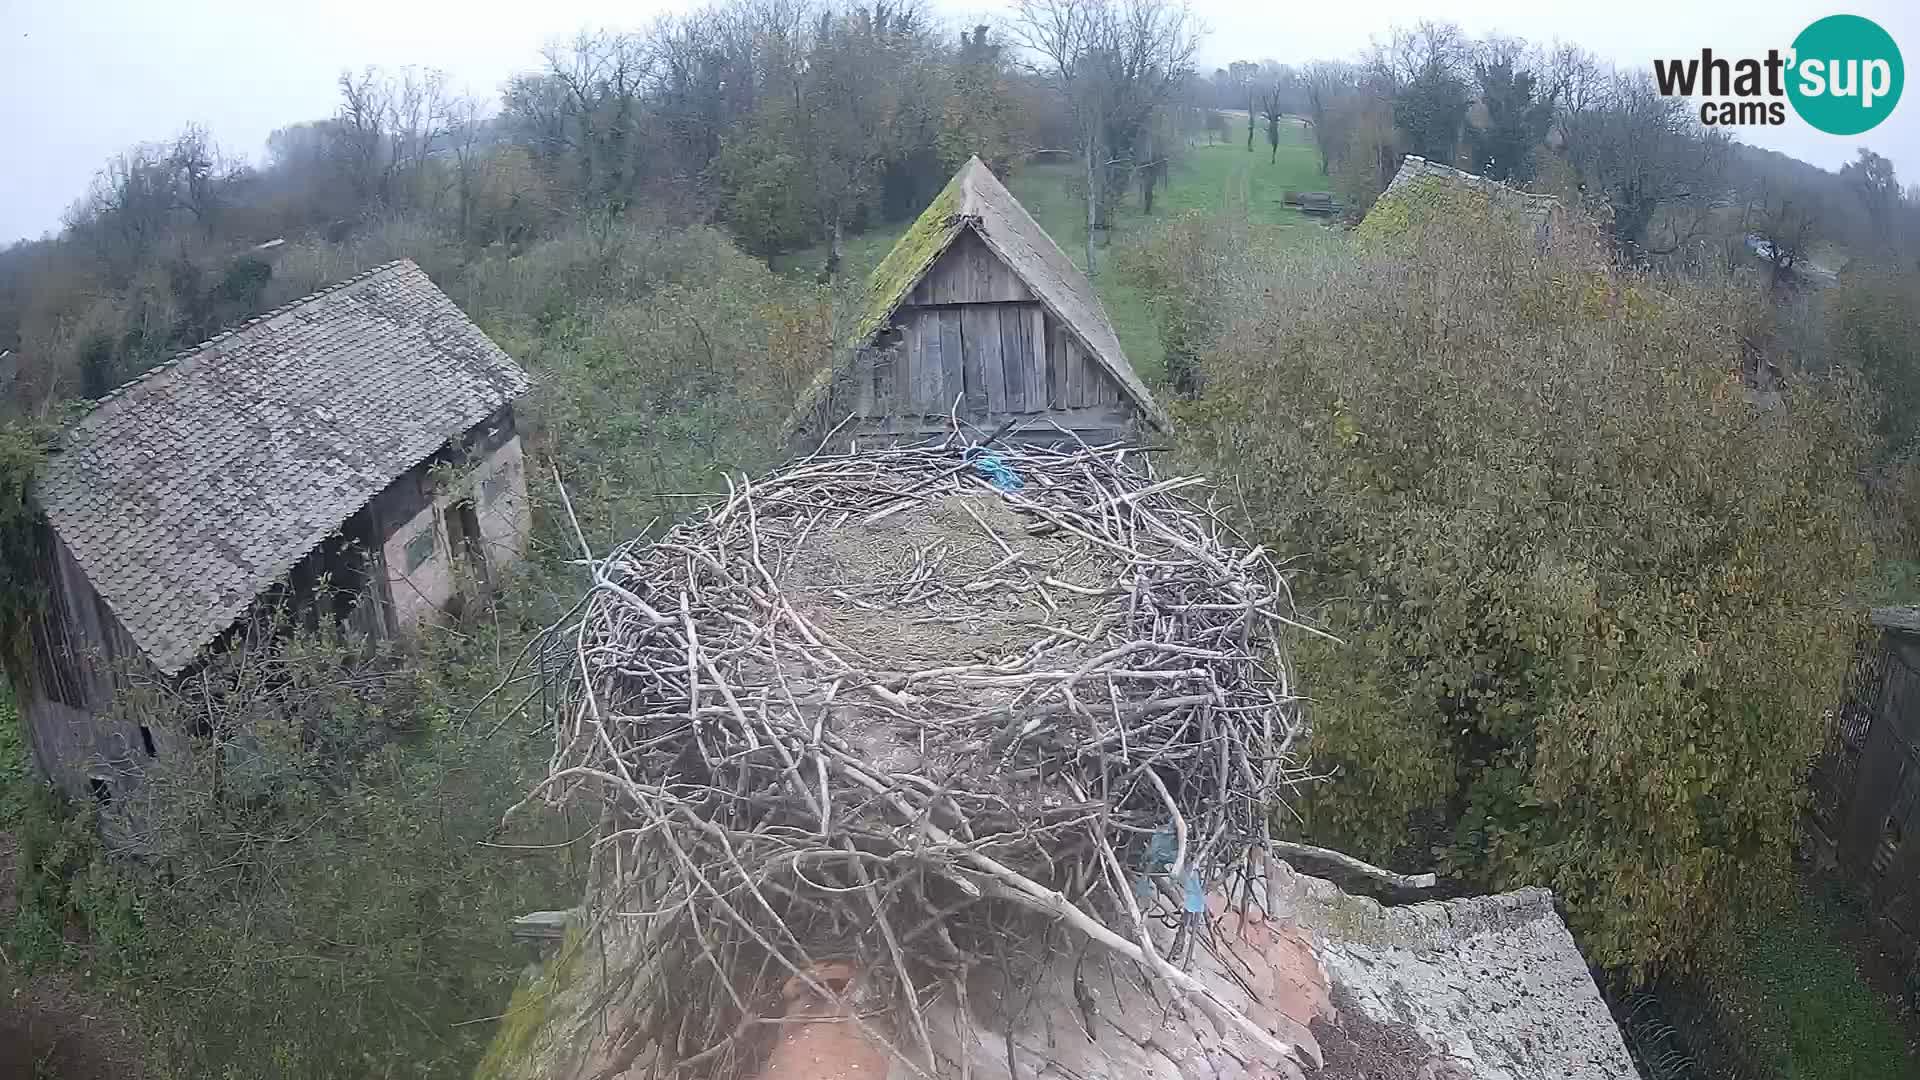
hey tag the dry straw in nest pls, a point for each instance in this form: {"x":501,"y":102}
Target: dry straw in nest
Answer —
{"x":874,"y":713}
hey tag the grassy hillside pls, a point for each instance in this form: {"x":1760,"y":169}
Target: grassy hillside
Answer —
{"x":1210,"y":178}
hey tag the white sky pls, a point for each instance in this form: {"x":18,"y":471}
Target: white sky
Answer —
{"x":82,"y":79}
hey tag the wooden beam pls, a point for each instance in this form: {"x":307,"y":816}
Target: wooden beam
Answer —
{"x":953,"y":356}
{"x":1016,"y":353}
{"x":980,"y":329}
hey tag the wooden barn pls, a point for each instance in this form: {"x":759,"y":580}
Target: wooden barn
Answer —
{"x":352,"y":455}
{"x":977,"y":315}
{"x":1865,"y":813}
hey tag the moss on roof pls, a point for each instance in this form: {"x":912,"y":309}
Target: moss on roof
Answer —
{"x":1420,"y":202}
{"x":1425,"y":193}
{"x":888,"y":285}
{"x":916,"y":250}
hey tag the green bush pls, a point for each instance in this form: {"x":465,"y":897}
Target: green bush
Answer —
{"x":1593,"y":601}
{"x":655,"y":391}
{"x":1186,"y":266}
{"x":1873,"y":329}
{"x":281,"y":904}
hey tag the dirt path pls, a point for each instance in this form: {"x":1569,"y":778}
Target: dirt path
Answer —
{"x":49,"y":1028}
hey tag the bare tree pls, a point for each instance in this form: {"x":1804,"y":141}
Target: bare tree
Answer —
{"x":361,"y":130}
{"x":1872,"y":180}
{"x":420,"y":114}
{"x":199,"y":171}
{"x":1116,"y":62}
{"x":1271,"y":104}
{"x":1643,"y":153}
{"x":466,"y":125}
{"x":1327,"y":84}
{"x":1428,"y":47}
{"x":585,"y":112}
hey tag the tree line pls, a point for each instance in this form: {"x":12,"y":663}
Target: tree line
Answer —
{"x":1561,"y":120}
{"x":791,"y":123}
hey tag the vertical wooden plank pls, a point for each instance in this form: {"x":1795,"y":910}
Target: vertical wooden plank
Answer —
{"x":1014,"y":356}
{"x":981,"y":328}
{"x":1050,"y":337}
{"x":1076,"y":370}
{"x":886,"y":367}
{"x":987,"y":270}
{"x":1106,"y":388}
{"x":1036,"y":318}
{"x":862,"y":388}
{"x":906,"y":362}
{"x":952,"y":359}
{"x":1879,"y":773}
{"x":973,"y":371}
{"x":1063,"y":357}
{"x":927,"y":372}
{"x":927,"y":377}
{"x":952,"y":275}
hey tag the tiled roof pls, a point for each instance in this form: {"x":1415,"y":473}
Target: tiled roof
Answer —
{"x":976,"y":199}
{"x":189,"y":490}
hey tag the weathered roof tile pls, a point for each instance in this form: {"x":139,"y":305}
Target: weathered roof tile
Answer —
{"x":186,"y":492}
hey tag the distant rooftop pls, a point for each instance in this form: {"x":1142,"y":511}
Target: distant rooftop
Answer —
{"x":1414,"y":169}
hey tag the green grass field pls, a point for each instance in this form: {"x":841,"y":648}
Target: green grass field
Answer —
{"x":1212,"y":178}
{"x":1788,"y":988}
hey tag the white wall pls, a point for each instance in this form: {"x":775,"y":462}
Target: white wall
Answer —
{"x":497,"y":484}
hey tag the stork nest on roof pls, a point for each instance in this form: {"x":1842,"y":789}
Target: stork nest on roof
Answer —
{"x":875,"y":712}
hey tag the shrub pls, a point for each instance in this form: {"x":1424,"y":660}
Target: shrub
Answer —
{"x":1871,"y":328}
{"x":656,"y":391}
{"x":1187,"y":266}
{"x":281,"y":905}
{"x":1593,"y":601}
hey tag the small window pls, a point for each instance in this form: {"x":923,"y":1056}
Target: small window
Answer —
{"x":419,"y":549}
{"x":101,"y":789}
{"x":146,"y":739}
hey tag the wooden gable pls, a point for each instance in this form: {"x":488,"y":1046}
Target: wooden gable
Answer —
{"x":971,"y":331}
{"x":969,"y":273}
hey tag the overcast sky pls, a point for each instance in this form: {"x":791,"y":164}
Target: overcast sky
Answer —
{"x":82,"y":79}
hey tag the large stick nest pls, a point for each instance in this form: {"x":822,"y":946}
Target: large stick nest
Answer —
{"x":872,"y":713}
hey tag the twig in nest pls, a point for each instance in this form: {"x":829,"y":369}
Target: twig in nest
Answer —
{"x":782,"y":786}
